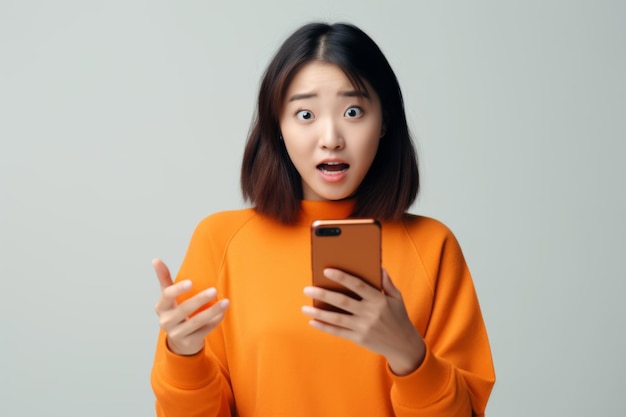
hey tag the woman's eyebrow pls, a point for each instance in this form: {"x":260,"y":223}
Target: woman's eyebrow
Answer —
{"x":350,"y":93}
{"x":354,"y":93}
{"x":302,"y":96}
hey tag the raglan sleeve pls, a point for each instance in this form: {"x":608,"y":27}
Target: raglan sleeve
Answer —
{"x":457,"y":374}
{"x":198,"y":385}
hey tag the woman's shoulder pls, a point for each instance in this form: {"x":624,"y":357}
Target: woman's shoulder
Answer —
{"x":425,"y":226}
{"x":429,"y":234}
{"x":225,"y":223}
{"x":230,"y":216}
{"x":431,"y":239}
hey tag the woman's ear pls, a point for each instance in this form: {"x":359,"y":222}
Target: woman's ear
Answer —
{"x":383,"y":127}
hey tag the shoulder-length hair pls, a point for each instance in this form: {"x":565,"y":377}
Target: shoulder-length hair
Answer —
{"x":270,"y":181}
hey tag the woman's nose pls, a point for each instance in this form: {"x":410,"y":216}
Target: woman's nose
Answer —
{"x":331,"y":137}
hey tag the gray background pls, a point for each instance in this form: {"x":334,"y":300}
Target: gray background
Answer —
{"x":122,"y":124}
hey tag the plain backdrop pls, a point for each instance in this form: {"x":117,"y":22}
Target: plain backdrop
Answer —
{"x":122,"y":125}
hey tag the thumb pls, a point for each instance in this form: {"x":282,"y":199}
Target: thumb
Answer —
{"x":388,"y":286}
{"x":163,"y":273}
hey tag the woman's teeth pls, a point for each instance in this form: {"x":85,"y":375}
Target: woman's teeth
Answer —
{"x":333,"y":167}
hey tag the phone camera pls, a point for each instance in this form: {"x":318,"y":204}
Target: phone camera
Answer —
{"x":328,"y":231}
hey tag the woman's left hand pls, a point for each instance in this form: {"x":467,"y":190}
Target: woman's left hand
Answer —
{"x":378,"y":322}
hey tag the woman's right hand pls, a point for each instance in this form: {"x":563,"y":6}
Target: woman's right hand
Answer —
{"x":185,"y":333}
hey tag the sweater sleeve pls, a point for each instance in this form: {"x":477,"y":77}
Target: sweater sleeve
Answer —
{"x":457,"y":374}
{"x":198,"y":385}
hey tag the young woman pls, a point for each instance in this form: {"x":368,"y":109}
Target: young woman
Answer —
{"x":330,"y":141}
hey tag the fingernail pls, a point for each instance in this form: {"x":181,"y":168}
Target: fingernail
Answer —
{"x":186,"y":284}
{"x":210,"y":292}
{"x":308,"y":291}
{"x":329,"y":273}
{"x":308,"y":309}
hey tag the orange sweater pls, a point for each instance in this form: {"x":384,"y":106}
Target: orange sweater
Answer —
{"x":264,"y":360}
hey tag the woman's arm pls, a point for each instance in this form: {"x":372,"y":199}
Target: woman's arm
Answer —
{"x":189,"y":376}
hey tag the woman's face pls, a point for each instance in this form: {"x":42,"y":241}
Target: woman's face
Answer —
{"x":331,"y":131}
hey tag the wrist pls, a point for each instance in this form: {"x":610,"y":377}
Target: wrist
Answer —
{"x":189,"y":351}
{"x":408,"y":358}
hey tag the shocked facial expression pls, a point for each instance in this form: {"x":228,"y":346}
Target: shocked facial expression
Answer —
{"x":331,"y":130}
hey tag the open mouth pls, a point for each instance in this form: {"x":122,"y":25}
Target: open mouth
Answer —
{"x":333,"y":167}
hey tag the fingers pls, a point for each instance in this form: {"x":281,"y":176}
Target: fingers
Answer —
{"x":352,"y":283}
{"x":199,"y":300}
{"x":328,"y":318}
{"x":187,"y":324}
{"x":163,"y":273}
{"x":366,"y":292}
{"x":172,"y":315}
{"x":389,"y":288}
{"x":378,"y":322}
{"x":333,"y":298}
{"x":169,"y":294}
{"x":203,"y":322}
{"x":187,"y":338}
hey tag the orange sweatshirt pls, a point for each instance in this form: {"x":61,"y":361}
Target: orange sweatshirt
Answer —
{"x":264,"y":360}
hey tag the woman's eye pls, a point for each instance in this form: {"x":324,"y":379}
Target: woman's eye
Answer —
{"x":304,"y":115}
{"x":353,"y":112}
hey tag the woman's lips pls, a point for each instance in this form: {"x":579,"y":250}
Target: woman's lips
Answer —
{"x":333,"y":171}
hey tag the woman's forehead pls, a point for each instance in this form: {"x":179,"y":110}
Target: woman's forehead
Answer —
{"x":316,"y":74}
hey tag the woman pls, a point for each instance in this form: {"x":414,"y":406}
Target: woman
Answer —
{"x":330,"y":141}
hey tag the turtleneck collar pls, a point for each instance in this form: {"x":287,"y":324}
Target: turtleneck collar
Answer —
{"x":324,"y":210}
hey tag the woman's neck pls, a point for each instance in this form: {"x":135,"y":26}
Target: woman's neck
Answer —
{"x":324,"y":210}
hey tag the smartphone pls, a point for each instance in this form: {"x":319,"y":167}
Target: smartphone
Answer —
{"x":351,"y":245}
